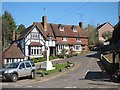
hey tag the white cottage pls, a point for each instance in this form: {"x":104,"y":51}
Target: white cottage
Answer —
{"x":34,"y":39}
{"x":12,"y":54}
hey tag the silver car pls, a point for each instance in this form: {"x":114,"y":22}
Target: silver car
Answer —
{"x":18,"y":69}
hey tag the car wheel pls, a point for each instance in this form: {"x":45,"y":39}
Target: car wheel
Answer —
{"x":14,"y":78}
{"x":32,"y":76}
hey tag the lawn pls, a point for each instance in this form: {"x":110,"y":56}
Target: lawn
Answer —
{"x":58,"y":67}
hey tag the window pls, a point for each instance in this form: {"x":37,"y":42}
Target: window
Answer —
{"x":22,"y":65}
{"x":64,"y":38}
{"x":61,"y":27}
{"x":78,"y":39}
{"x":36,"y":51}
{"x":78,"y":47}
{"x":35,"y":35}
{"x":32,"y":51}
{"x":74,"y":29}
{"x":27,"y":64}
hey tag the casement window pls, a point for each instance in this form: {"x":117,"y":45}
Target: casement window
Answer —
{"x":78,"y":39}
{"x":36,"y":51}
{"x":78,"y":47}
{"x":34,"y":35}
{"x":64,"y":38}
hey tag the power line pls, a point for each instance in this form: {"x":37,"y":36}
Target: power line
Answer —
{"x":71,"y":11}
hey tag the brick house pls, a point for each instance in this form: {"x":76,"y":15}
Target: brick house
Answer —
{"x":33,"y":40}
{"x":104,"y":28}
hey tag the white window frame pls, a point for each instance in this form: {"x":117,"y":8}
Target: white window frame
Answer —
{"x":61,"y":28}
{"x":36,"y":50}
{"x":77,"y":46}
{"x":78,"y":40}
{"x":74,"y":29}
{"x":64,"y":39}
{"x":34,"y":36}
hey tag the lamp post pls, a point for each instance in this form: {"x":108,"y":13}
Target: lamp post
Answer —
{"x":47,"y":65}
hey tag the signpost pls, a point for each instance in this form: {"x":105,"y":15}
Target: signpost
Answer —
{"x":47,"y":65}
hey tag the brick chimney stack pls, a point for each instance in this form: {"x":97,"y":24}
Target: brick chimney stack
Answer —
{"x":44,"y":21}
{"x":81,"y":25}
{"x":14,"y":35}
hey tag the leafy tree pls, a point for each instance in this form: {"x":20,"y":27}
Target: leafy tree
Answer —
{"x":107,"y":35}
{"x":8,"y":25}
{"x":92,"y":34}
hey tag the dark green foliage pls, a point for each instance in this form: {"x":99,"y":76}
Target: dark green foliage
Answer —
{"x":8,"y":25}
{"x":20,"y":28}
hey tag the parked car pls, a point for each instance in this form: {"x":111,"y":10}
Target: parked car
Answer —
{"x":18,"y":69}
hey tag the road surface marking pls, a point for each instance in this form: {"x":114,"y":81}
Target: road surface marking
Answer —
{"x":70,"y":87}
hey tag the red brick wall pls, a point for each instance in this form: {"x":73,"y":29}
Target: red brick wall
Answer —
{"x":73,"y":40}
{"x":106,"y":27}
{"x":85,"y":41}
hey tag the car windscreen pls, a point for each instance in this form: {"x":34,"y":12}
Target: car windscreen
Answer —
{"x":13,"y":65}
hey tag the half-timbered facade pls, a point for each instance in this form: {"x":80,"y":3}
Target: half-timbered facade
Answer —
{"x":33,"y":40}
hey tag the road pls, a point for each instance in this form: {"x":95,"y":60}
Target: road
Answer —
{"x":87,"y":73}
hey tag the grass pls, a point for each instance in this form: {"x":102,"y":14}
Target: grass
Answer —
{"x":57,"y":68}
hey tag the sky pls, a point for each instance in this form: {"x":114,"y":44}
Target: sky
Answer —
{"x":69,"y":13}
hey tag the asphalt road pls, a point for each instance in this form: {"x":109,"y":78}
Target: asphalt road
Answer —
{"x":87,"y":73}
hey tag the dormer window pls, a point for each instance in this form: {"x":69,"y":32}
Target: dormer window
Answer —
{"x":61,"y":27}
{"x":64,"y":38}
{"x":78,"y":39}
{"x":74,"y":28}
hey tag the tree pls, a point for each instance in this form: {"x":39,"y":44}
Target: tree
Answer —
{"x":92,"y":34}
{"x":8,"y":25}
{"x":107,"y":35}
{"x":20,"y":28}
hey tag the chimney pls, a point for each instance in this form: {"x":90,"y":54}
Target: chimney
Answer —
{"x":44,"y":21}
{"x":14,"y":35}
{"x":81,"y":25}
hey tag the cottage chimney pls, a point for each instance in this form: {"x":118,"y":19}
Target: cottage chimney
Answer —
{"x":14,"y":35}
{"x":44,"y":21}
{"x":81,"y":25}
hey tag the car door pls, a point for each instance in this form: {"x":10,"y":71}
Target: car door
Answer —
{"x":28,"y":68}
{"x":22,"y":70}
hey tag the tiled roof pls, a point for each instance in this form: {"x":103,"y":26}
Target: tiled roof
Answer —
{"x":68,"y":32}
{"x":53,"y":30}
{"x":13,"y":52}
{"x":48,"y":32}
{"x":35,"y":44}
{"x":103,"y":25}
{"x":25,"y":32}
